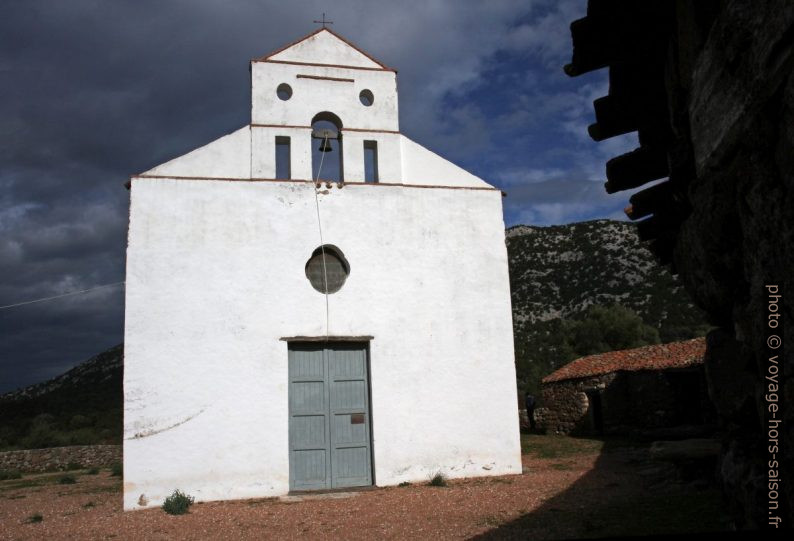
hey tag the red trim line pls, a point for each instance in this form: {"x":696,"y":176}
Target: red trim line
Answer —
{"x":325,"y":78}
{"x":294,"y":63}
{"x":367,"y":130}
{"x":279,"y":126}
{"x":309,"y":127}
{"x":288,"y":45}
{"x":174,"y":177}
{"x":359,"y":49}
{"x":337,"y":36}
{"x":431,"y":186}
{"x":304,"y":181}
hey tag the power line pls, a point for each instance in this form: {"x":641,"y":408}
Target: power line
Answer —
{"x":320,"y":227}
{"x":59,"y":296}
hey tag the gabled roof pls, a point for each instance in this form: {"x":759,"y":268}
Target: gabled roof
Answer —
{"x":321,"y":45}
{"x":656,"y":357}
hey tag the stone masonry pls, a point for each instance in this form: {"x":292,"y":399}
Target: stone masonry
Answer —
{"x":58,"y":458}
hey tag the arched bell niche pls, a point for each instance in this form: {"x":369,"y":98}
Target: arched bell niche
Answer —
{"x":327,"y":147}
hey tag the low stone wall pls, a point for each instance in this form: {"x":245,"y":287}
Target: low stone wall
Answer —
{"x":57,"y":458}
{"x":565,"y":404}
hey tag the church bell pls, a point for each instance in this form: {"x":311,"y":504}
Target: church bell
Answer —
{"x":325,"y":146}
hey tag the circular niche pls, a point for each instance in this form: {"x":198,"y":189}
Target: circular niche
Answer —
{"x":336,"y":269}
{"x":284,"y":91}
{"x":366,"y":97}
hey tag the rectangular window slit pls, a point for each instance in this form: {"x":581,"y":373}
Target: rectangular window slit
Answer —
{"x":282,"y":157}
{"x":370,"y":161}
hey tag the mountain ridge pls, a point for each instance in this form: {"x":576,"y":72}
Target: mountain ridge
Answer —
{"x":558,"y":272}
{"x":619,"y":269}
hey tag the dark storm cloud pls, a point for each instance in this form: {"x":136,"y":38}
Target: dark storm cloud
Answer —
{"x":93,"y":91}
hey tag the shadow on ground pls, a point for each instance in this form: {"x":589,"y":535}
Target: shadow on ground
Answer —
{"x":625,"y":494}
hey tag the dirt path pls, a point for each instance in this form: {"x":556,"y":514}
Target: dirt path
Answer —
{"x":566,"y":496}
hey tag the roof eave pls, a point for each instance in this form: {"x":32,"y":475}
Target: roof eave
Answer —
{"x":268,"y":56}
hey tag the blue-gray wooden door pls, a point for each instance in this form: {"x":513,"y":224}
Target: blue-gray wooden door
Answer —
{"x":329,"y":421}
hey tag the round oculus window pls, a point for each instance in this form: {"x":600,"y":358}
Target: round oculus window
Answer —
{"x":284,"y":91}
{"x":327,"y":269}
{"x":366,"y":97}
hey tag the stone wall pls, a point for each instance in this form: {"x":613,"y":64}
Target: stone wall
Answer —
{"x":631,"y":402}
{"x":565,"y":404}
{"x":735,"y":115}
{"x":708,"y":86}
{"x":660,"y":399}
{"x":57,"y":458}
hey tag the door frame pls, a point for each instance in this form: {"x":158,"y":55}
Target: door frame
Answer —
{"x":327,"y":342}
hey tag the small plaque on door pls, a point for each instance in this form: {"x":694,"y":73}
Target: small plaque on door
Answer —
{"x":357,"y":419}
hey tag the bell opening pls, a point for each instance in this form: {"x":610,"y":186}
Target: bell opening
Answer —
{"x":327,"y":153}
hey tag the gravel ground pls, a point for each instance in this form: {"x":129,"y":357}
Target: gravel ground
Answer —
{"x":545,"y":502}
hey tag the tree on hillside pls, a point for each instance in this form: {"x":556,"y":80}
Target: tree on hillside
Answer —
{"x":609,"y":328}
{"x":559,"y":341}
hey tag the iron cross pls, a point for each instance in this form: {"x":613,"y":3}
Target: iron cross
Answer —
{"x":323,"y":22}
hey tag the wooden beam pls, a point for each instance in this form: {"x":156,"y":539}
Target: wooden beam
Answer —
{"x":589,"y":51}
{"x":611,"y":119}
{"x":620,"y":31}
{"x":651,"y":199}
{"x":636,"y":168}
{"x":658,"y":226}
{"x":644,"y":111}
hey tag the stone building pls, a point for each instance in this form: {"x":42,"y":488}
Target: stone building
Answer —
{"x":708,"y":87}
{"x":314,"y":300}
{"x":631,"y":391}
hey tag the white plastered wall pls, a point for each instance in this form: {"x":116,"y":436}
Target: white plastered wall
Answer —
{"x":263,"y":157}
{"x":311,"y":96}
{"x":226,"y":157}
{"x":250,"y":153}
{"x":215,"y":276}
{"x":327,"y":47}
{"x":424,"y":167}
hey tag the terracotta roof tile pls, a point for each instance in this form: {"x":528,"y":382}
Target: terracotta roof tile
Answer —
{"x":656,"y":357}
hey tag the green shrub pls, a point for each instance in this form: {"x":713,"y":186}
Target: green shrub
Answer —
{"x":177,"y":503}
{"x":40,"y":436}
{"x":438,"y":480}
{"x":80,"y":436}
{"x":71,"y":466}
{"x":404,"y":484}
{"x":93,"y":471}
{"x":10,"y":474}
{"x":67,"y":480}
{"x":79,"y":421}
{"x":43,"y":419}
{"x":116,"y":469}
{"x":36,"y":517}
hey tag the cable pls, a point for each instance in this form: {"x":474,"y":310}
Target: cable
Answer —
{"x":320,"y":227}
{"x":59,"y":296}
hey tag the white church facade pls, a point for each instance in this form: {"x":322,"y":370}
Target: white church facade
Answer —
{"x":284,"y":334}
